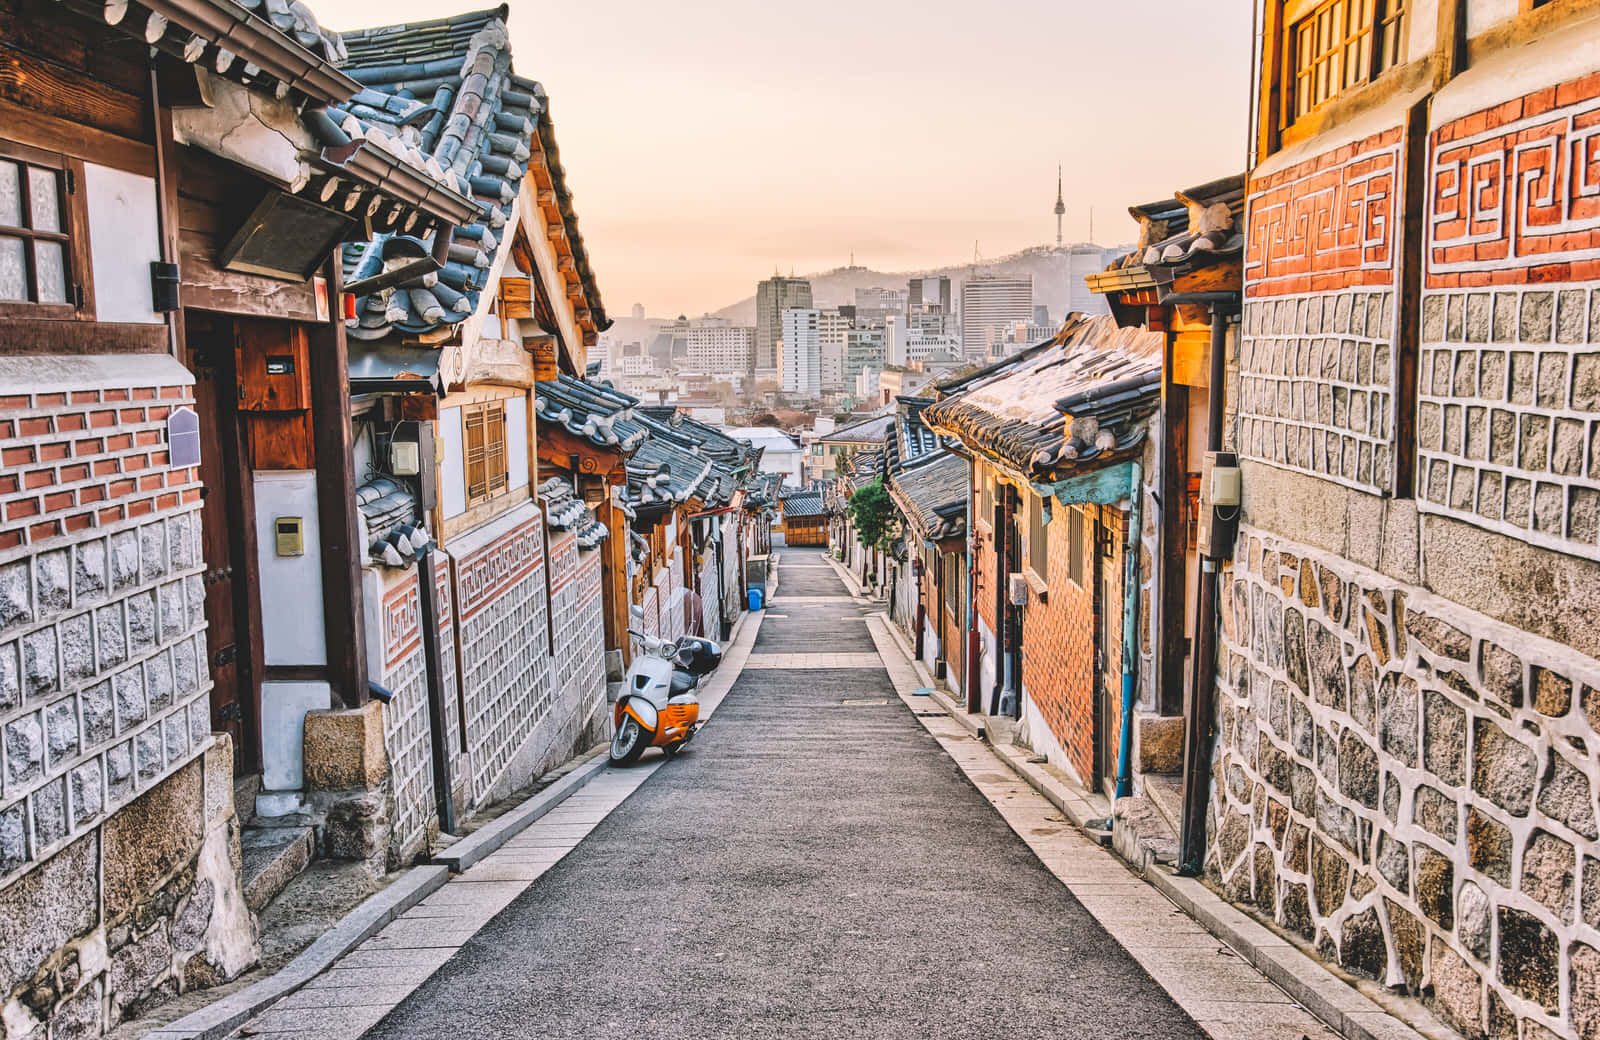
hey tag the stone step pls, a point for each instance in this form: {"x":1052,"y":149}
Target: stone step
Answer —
{"x":1165,"y":793}
{"x":1141,"y":835}
{"x":273,"y":855}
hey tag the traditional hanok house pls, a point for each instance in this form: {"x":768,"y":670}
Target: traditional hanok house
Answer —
{"x":804,"y":523}
{"x":675,"y":492}
{"x":722,"y":525}
{"x":451,"y":335}
{"x":830,"y":452}
{"x":1409,"y":619}
{"x":178,"y":550}
{"x":1062,"y":529}
{"x":1183,"y":280}
{"x":586,"y":435}
{"x":863,"y":468}
{"x":930,"y":488}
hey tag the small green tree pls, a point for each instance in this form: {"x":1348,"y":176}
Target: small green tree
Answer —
{"x":872,"y":515}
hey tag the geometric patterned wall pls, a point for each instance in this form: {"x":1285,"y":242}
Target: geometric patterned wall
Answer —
{"x":1317,"y":360}
{"x":1509,"y":413}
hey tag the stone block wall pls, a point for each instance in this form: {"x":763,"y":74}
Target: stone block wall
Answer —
{"x":1509,"y":380}
{"x":501,"y":605}
{"x":400,"y":665}
{"x":1411,"y":787}
{"x":1317,"y":362}
{"x":103,"y":675}
{"x":145,"y":905}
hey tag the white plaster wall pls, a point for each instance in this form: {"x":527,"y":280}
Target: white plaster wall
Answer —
{"x":1485,"y":14}
{"x":1552,"y":59}
{"x":291,"y":586}
{"x":283,"y":726}
{"x":986,"y":661}
{"x":452,"y":463}
{"x":517,"y":440}
{"x":1037,"y":733}
{"x":123,"y":241}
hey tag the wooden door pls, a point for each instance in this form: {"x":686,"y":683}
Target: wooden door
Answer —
{"x":225,"y":541}
{"x":1108,"y":648}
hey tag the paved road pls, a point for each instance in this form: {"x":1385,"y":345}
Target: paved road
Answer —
{"x":816,"y":866}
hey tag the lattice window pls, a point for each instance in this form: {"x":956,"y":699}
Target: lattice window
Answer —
{"x":1335,"y":46}
{"x":487,"y":472}
{"x":39,"y":270}
{"x":1038,"y":539}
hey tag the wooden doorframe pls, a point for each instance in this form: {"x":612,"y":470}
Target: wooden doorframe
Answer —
{"x":238,"y":499}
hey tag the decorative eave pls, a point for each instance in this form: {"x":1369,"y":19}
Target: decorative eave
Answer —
{"x":554,"y":202}
{"x":408,"y":186}
{"x":234,"y":34}
{"x":1125,"y":279}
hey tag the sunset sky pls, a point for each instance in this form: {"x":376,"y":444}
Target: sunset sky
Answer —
{"x":708,"y":143}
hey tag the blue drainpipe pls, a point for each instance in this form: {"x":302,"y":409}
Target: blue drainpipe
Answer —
{"x":1130,"y":633}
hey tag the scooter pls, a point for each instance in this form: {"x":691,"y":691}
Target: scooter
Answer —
{"x":658,"y":706}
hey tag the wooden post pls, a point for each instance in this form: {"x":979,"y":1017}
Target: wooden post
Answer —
{"x":1172,"y":550}
{"x":343,"y":614}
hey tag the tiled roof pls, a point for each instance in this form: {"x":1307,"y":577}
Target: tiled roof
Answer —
{"x":597,"y":413}
{"x":912,"y":438}
{"x":444,"y":90}
{"x":1196,"y":224}
{"x":735,"y":454}
{"x":801,"y":504}
{"x":933,"y":495}
{"x":867,"y":431}
{"x":389,"y":512}
{"x":668,"y":469}
{"x":1083,"y":399}
{"x":565,"y":511}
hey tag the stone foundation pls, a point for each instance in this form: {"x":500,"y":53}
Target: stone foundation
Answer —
{"x":143,"y":906}
{"x":1410,"y":787}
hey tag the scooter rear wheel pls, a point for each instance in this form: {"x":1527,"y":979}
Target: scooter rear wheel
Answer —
{"x":629,"y":742}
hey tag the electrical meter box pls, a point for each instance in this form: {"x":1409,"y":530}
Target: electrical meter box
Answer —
{"x":1218,"y":523}
{"x":288,"y":533}
{"x":1018,"y":591}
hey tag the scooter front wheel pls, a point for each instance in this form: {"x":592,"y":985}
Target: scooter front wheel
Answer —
{"x":629,"y":742}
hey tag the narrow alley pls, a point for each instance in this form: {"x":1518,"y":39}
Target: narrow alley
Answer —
{"x":815,"y":865}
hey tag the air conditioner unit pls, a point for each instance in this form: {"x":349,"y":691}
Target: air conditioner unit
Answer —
{"x":1018,"y":589}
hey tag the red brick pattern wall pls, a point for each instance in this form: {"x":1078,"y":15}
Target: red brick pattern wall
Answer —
{"x":75,"y":460}
{"x":103,"y":677}
{"x":1515,"y":191}
{"x":1328,"y":223}
{"x":1058,"y":646}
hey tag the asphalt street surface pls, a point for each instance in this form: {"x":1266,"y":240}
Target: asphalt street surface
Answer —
{"x":813,"y":866}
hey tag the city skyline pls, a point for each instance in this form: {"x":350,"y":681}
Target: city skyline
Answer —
{"x":928,"y":131}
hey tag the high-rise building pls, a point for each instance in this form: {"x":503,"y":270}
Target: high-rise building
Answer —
{"x":802,"y":352}
{"x":923,"y":295}
{"x":774,"y":296}
{"x":1085,"y":259}
{"x":721,"y":349}
{"x":905,"y":344}
{"x":864,"y":348}
{"x":833,"y":329}
{"x":879,"y":303}
{"x":988,"y":305}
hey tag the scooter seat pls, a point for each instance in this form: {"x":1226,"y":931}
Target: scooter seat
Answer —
{"x":683,"y":682}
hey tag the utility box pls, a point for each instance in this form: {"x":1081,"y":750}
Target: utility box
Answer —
{"x":1218,"y":523}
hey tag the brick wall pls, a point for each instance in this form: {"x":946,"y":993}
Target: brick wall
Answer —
{"x":1058,"y":646}
{"x":103,"y":676}
{"x":116,"y":804}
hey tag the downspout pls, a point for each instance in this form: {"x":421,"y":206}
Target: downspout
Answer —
{"x":1130,"y":629}
{"x":427,"y":590}
{"x":1197,"y":717}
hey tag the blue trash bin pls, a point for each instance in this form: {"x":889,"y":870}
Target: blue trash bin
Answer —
{"x":755,"y":599}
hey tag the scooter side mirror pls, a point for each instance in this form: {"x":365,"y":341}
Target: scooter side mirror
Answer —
{"x":636,"y":611}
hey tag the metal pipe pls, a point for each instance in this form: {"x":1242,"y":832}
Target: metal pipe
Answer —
{"x":1130,"y":629}
{"x":427,"y":589}
{"x":1202,"y":689}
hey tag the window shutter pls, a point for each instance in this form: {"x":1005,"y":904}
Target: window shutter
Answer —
{"x":477,"y":473}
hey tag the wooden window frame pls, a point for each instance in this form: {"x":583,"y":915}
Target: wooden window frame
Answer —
{"x":1076,"y":523}
{"x":73,"y":237}
{"x":482,"y":422}
{"x":1038,"y":543}
{"x":1380,"y":46}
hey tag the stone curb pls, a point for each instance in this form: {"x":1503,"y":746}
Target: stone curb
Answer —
{"x":489,"y":838}
{"x":218,"y":1020}
{"x":1343,"y":1007}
